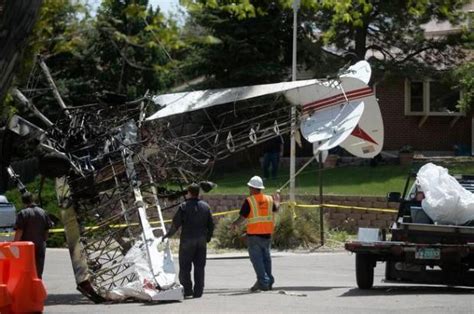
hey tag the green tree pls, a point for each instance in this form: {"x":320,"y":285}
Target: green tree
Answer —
{"x":17,"y":19}
{"x":125,"y":48}
{"x":392,"y":29}
{"x":135,"y":47}
{"x":243,"y":42}
{"x":255,"y":36}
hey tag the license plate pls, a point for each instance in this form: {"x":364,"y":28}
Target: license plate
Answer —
{"x":427,"y":253}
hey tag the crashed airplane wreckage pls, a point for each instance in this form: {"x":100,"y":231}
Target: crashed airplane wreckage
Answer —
{"x":112,"y":164}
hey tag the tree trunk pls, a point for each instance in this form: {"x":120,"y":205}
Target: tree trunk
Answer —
{"x":360,"y":43}
{"x":17,"y":19}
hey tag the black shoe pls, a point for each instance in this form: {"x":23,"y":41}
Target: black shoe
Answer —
{"x":255,"y":287}
{"x":188,"y":295}
{"x":258,"y":287}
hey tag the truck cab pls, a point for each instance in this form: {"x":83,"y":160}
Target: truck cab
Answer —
{"x":7,"y":219}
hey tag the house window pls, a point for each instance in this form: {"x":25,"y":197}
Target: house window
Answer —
{"x":431,"y":98}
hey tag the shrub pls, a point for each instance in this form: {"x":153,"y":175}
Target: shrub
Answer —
{"x":292,"y":230}
{"x":307,"y":226}
{"x":228,"y":238}
{"x":284,"y":236}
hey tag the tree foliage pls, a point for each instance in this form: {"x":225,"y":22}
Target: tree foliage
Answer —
{"x":464,"y":75}
{"x":135,"y":47}
{"x":17,"y":19}
{"x":126,"y":47}
{"x":392,"y":30}
{"x":251,"y":40}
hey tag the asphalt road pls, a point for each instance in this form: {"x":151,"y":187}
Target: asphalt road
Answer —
{"x":312,"y":282}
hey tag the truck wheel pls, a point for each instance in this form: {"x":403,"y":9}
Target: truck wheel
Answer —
{"x":365,"y":264}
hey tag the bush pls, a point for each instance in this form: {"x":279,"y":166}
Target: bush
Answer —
{"x":292,"y":230}
{"x":228,"y":238}
{"x":284,"y":236}
{"x":307,"y":228}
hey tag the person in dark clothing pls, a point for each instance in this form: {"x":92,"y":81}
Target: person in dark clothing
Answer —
{"x":272,"y":152}
{"x":195,"y":219}
{"x":32,"y":224}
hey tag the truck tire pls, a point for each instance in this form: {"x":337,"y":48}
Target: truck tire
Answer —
{"x":365,"y":264}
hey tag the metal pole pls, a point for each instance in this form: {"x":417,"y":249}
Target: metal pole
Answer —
{"x":296,"y":5}
{"x":53,"y":86}
{"x":321,"y":209}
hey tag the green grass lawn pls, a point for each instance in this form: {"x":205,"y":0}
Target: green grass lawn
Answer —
{"x":361,"y":180}
{"x":355,"y":180}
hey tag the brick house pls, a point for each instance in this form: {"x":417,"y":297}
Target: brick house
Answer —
{"x":423,"y":113}
{"x":413,"y":117}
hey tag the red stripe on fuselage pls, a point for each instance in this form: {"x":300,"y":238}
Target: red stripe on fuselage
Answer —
{"x":337,"y":99}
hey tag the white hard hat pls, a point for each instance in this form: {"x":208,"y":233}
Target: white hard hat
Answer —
{"x":256,"y":182}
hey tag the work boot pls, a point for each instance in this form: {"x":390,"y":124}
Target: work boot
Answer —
{"x":258,"y":287}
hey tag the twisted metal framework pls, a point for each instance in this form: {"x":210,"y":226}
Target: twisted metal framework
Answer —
{"x":113,"y":171}
{"x":190,"y":143}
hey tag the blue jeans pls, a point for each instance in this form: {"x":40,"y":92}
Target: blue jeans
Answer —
{"x":259,"y":252}
{"x":273,"y":160}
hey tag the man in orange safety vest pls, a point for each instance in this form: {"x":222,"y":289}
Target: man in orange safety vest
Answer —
{"x":258,"y":210}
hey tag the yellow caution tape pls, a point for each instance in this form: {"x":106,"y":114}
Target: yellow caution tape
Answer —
{"x":383,"y":210}
{"x":291,"y":205}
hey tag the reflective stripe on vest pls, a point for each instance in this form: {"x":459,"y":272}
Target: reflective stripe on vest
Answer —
{"x":260,"y":218}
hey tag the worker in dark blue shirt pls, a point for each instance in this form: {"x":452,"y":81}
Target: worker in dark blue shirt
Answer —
{"x":32,"y":224}
{"x":194,"y":217}
{"x":273,"y":151}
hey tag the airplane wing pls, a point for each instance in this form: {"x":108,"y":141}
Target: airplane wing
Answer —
{"x":177,"y":103}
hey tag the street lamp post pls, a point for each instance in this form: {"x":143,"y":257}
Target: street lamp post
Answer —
{"x":296,"y":5}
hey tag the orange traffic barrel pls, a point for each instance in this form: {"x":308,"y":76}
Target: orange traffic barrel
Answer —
{"x":24,"y":292}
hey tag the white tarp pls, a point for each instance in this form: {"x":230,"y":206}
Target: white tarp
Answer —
{"x":446,"y":201}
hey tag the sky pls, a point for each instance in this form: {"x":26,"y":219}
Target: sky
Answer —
{"x":167,"y":6}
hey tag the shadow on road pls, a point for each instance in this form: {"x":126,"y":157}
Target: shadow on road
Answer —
{"x":70,"y":299}
{"x":305,"y":288}
{"x":233,"y":257}
{"x":227,"y":257}
{"x":276,"y":290}
{"x":401,"y":290}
